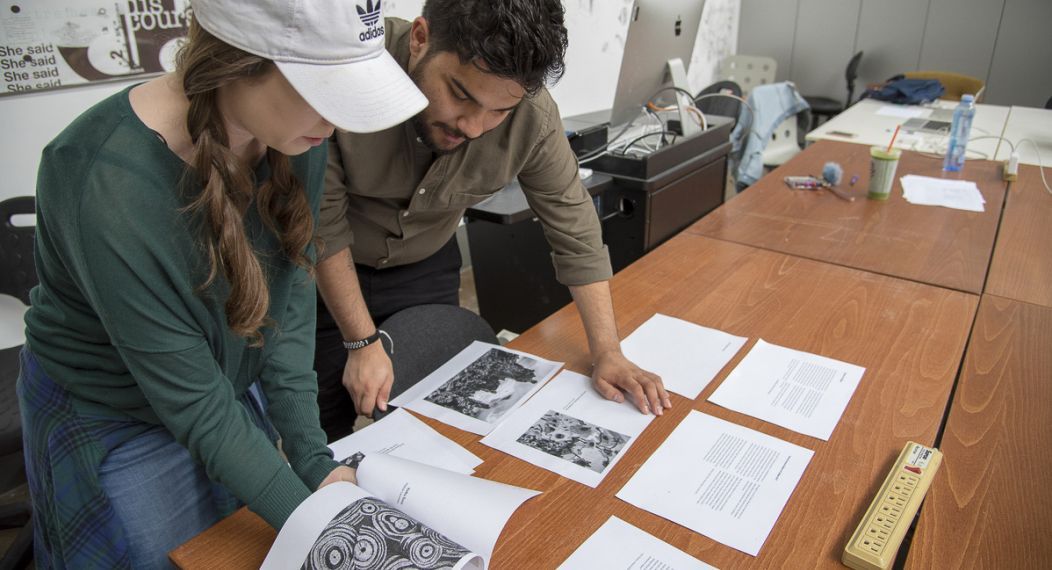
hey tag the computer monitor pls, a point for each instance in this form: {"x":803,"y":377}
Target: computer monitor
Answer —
{"x":658,"y":47}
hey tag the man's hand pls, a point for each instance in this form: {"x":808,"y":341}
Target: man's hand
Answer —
{"x":613,"y":374}
{"x":341,"y":473}
{"x":367,"y":377}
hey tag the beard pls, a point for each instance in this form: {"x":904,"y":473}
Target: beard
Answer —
{"x":426,"y":130}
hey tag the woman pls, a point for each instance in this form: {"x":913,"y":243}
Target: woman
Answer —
{"x":170,"y":340}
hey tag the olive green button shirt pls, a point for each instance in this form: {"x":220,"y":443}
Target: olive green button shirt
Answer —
{"x":394,"y":203}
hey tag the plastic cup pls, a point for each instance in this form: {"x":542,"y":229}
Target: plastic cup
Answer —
{"x":882,"y":167}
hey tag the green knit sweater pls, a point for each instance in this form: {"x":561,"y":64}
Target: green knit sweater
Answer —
{"x":119,"y":321}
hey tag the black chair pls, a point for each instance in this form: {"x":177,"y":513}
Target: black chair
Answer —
{"x":1048,"y":104}
{"x":17,"y":277}
{"x":724,"y":106}
{"x":829,"y":108}
{"x":426,"y":337}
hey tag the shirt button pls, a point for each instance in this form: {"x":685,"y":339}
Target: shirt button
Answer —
{"x":383,"y":262}
{"x":422,"y":191}
{"x":405,"y":213}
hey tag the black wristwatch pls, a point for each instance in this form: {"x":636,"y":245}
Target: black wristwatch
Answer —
{"x":356,"y":344}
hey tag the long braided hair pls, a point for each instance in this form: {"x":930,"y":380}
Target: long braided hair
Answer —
{"x":205,"y":64}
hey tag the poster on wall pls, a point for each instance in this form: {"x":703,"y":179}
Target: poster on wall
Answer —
{"x":46,"y":44}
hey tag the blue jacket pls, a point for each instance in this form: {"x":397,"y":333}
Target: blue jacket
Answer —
{"x":773,"y":104}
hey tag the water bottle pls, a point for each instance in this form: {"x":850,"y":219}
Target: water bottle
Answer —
{"x":962,"y":125}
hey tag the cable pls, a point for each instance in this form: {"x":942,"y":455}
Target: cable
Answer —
{"x":752,"y":112}
{"x":641,"y":137}
{"x":690,"y":97}
{"x":1011,"y":145}
{"x":1000,"y":138}
{"x":679,"y":90}
{"x":604,"y":149}
{"x":1040,"y":165}
{"x":699,"y":117}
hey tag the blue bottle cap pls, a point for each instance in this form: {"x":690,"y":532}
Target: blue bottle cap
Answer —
{"x":967,"y":98}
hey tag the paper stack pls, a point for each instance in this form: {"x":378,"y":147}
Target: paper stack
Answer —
{"x":957,"y":194}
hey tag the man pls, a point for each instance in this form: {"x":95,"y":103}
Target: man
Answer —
{"x":394,"y":198}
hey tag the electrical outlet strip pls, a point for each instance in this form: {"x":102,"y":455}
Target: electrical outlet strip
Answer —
{"x":876,"y":541}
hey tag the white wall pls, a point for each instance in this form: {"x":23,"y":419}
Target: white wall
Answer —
{"x":596,"y":28}
{"x":1003,"y":42}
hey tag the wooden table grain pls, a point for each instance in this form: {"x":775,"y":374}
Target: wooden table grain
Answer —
{"x":1022,"y":264}
{"x":934,"y":245}
{"x":990,"y":505}
{"x":910,"y":337}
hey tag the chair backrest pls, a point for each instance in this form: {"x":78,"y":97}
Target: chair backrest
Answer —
{"x":724,"y":106}
{"x":17,"y":270}
{"x":748,"y":71}
{"x":784,"y":142}
{"x":955,"y":84}
{"x":851,"y":74}
{"x":427,"y":336}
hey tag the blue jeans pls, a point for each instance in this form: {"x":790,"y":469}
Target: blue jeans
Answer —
{"x":160,"y":495}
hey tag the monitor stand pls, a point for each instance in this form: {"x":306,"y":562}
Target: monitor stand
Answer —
{"x":677,"y":77}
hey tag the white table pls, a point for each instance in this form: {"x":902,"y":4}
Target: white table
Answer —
{"x":1029,"y":123}
{"x":872,"y":123}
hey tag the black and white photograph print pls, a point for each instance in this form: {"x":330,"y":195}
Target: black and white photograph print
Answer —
{"x":369,"y":534}
{"x":491,"y":385}
{"x":574,"y":440}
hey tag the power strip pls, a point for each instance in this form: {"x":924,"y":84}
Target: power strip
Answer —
{"x":876,"y":541}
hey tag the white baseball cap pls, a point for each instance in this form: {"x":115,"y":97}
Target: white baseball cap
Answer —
{"x":331,"y":51}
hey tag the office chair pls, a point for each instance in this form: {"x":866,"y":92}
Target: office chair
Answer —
{"x":17,"y":277}
{"x":748,"y":71}
{"x":723,"y":106}
{"x":828,"y":108}
{"x":955,"y":84}
{"x":426,"y":337}
{"x":784,"y":143}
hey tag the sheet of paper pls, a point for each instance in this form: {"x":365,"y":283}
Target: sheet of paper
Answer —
{"x":903,"y":112}
{"x":804,"y":392}
{"x":304,"y":536}
{"x":467,"y":510}
{"x":401,"y":434}
{"x":956,"y":194}
{"x":720,"y":479}
{"x":686,"y":356}
{"x":618,"y":545}
{"x":478,"y":387}
{"x":568,"y":428}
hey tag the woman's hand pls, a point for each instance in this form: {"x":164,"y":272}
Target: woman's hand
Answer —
{"x":341,"y":473}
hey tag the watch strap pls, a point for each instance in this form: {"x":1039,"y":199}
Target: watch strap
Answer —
{"x":362,"y":343}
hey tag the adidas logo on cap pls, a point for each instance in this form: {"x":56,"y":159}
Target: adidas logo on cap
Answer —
{"x":370,"y":16}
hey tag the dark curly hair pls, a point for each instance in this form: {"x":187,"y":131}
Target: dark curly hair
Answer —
{"x":522,"y":40}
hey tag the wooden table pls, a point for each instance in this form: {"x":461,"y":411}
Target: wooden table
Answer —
{"x":990,"y":505}
{"x":1022,"y":265}
{"x":934,"y":245}
{"x":909,"y":336}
